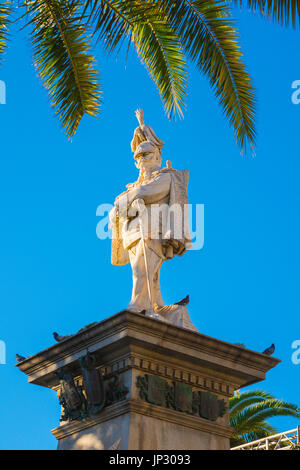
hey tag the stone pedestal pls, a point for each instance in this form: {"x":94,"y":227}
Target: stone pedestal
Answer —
{"x":166,"y":387}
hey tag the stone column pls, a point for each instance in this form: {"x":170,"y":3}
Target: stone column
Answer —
{"x":165,"y":387}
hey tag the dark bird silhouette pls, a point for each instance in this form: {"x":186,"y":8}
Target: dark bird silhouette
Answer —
{"x":142,"y":312}
{"x":58,"y":337}
{"x":20,"y":358}
{"x":241,"y":345}
{"x":269,"y":351}
{"x":184,"y":301}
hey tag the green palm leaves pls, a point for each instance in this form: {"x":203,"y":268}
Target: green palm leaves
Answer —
{"x":63,"y":61}
{"x":211,"y":41}
{"x":161,"y":51}
{"x":164,"y":32}
{"x":145,"y":25}
{"x":284,"y":12}
{"x":5,"y":13}
{"x":249,"y":412}
{"x":165,"y":35}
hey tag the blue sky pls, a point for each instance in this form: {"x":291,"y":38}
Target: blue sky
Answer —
{"x":56,"y":275}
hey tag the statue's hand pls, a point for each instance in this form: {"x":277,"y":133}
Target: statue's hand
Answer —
{"x":137,"y":207}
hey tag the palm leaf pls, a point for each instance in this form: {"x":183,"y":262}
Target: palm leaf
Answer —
{"x":157,"y":44}
{"x":249,"y":412}
{"x":161,"y":51}
{"x":5,"y":12}
{"x":269,"y":409}
{"x":211,"y":41}
{"x":263,"y":429}
{"x":238,"y":404}
{"x":284,"y":12}
{"x":262,"y":411}
{"x":62,"y":59}
{"x":111,"y":21}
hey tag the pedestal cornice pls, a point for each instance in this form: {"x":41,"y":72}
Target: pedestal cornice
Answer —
{"x":125,"y":336}
{"x":160,"y":386}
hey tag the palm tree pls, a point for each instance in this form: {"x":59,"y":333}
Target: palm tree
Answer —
{"x":164,"y":33}
{"x":249,"y":412}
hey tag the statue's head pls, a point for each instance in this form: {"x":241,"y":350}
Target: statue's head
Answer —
{"x":147,"y":156}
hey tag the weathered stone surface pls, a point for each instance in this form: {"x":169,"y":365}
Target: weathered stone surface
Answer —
{"x":131,"y":346}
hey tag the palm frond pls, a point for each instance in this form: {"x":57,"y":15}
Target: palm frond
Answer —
{"x":63,"y":61}
{"x":211,"y":41}
{"x":262,"y":429}
{"x":146,"y":26}
{"x":112,"y":20}
{"x":271,"y":408}
{"x":161,"y":51}
{"x":261,"y":411}
{"x":284,"y":12}
{"x":5,"y":13}
{"x":249,"y":412}
{"x":247,"y":398}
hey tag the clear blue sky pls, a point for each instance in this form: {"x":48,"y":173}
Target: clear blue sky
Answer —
{"x":56,"y":275}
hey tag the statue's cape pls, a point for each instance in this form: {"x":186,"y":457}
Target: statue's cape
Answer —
{"x":119,"y":256}
{"x":177,"y":236}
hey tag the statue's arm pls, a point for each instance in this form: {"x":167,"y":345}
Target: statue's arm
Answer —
{"x":153,"y":191}
{"x":150,"y":192}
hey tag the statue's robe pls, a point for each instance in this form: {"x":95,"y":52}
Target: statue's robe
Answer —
{"x":167,"y":191}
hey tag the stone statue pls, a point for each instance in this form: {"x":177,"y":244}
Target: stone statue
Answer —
{"x":149,"y":222}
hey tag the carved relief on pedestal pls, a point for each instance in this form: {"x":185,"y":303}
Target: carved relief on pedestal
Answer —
{"x":88,"y":394}
{"x":180,"y":397}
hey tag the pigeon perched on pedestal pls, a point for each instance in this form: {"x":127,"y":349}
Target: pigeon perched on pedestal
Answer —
{"x":184,"y":301}
{"x":269,"y":351}
{"x":240,"y":345}
{"x":58,"y":337}
{"x":20,"y":358}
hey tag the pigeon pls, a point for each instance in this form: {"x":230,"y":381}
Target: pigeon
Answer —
{"x":269,"y":351}
{"x":58,"y":337}
{"x":20,"y":358}
{"x":184,"y":301}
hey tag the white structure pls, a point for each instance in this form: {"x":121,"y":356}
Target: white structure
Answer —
{"x":150,"y":225}
{"x":288,"y":440}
